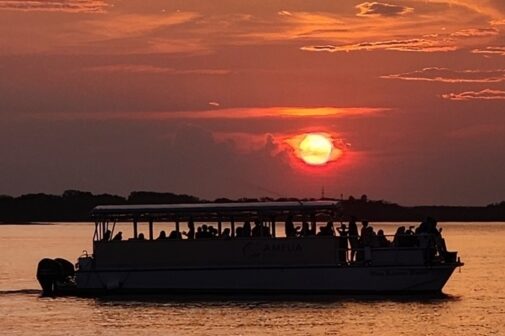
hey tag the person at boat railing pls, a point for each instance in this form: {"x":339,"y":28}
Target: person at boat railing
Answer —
{"x":141,"y":236}
{"x":353,"y":237}
{"x":342,"y":243}
{"x":163,"y":235}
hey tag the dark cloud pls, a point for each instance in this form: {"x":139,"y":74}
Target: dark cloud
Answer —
{"x":446,"y":75}
{"x":486,"y":94}
{"x":69,"y":6}
{"x":382,"y":9}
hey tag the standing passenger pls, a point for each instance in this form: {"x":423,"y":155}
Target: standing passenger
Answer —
{"x":342,"y":243}
{"x":247,"y":229}
{"x":353,"y":237}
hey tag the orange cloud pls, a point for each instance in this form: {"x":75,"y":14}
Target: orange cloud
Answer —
{"x":150,"y":69}
{"x":490,"y":51}
{"x":476,"y":32}
{"x":382,"y":9}
{"x":446,"y":75}
{"x":487,"y":94}
{"x":67,"y":6}
{"x":231,"y":113}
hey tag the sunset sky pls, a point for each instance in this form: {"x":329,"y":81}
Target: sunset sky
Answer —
{"x":210,"y":98}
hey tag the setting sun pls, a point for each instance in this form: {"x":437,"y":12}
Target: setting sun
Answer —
{"x":315,"y":149}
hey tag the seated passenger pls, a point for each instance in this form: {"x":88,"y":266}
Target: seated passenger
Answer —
{"x":191,"y":230}
{"x":198,"y":234}
{"x":257,"y":229}
{"x":369,"y":237}
{"x":118,"y":236}
{"x":205,"y":231}
{"x":410,"y":237}
{"x":106,"y":235}
{"x":305,"y":231}
{"x":289,"y":228}
{"x":239,"y":232}
{"x":212,"y":232}
{"x":225,"y":234}
{"x":399,"y":239}
{"x":141,"y":236}
{"x":162,"y":235}
{"x":382,"y":240}
{"x":175,"y":235}
{"x":265,"y":231}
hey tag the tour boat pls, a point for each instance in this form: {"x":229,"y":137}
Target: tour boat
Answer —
{"x":230,"y":258}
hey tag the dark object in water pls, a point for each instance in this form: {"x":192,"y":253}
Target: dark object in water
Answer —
{"x":51,"y":271}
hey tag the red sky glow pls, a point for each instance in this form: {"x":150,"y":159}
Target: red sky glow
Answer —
{"x":214,"y":98}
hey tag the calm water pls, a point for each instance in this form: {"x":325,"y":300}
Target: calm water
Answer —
{"x":474,"y":305}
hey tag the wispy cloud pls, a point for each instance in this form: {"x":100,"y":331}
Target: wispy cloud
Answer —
{"x":490,"y":51}
{"x":486,"y":94}
{"x":446,"y":75}
{"x":382,"y":9}
{"x":151,"y":69}
{"x":498,"y":22}
{"x":225,"y":114}
{"x":69,"y":6}
{"x":132,"y":25}
{"x":416,"y":45}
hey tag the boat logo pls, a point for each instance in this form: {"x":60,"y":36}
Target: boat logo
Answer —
{"x":264,"y":249}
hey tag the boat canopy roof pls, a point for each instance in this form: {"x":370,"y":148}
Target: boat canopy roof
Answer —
{"x":212,"y":211}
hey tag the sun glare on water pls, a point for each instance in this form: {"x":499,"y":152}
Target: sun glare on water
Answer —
{"x":315,"y":149}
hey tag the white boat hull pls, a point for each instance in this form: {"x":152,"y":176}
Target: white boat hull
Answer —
{"x":293,"y":280}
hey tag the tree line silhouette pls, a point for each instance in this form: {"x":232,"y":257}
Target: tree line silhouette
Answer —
{"x":76,"y":206}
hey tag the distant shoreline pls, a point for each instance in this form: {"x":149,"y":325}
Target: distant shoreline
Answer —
{"x":75,"y":206}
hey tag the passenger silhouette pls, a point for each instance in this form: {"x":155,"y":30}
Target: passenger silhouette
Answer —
{"x":198,"y":234}
{"x":364,"y":226}
{"x":257,"y":229}
{"x":191,"y":230}
{"x":163,"y":235}
{"x":225,"y":234}
{"x":239,"y":232}
{"x":141,"y":236}
{"x":175,"y":235}
{"x":106,"y":235}
{"x":382,"y":239}
{"x":342,"y":243}
{"x":399,"y":239}
{"x":305,"y":231}
{"x":118,"y":236}
{"x":353,"y":237}
{"x":289,"y":227}
{"x":247,"y":229}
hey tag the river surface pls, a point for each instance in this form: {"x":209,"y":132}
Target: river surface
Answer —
{"x":473,"y":304}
